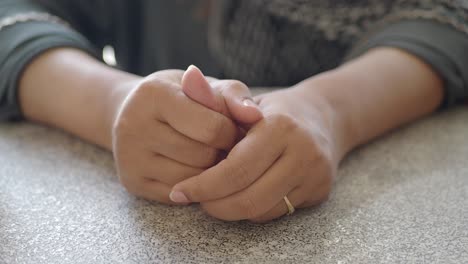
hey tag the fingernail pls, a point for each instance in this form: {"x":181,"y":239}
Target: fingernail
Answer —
{"x":178,"y":197}
{"x":192,"y":67}
{"x":249,"y":102}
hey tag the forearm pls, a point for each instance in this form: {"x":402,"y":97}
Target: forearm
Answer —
{"x":68,"y":89}
{"x":379,"y":91}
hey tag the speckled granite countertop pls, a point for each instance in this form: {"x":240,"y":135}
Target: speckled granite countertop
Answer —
{"x":401,"y":199}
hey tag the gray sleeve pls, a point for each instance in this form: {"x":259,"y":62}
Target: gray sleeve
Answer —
{"x":74,"y":25}
{"x":441,"y":46}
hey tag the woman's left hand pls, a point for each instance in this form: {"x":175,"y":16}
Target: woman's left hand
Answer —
{"x":289,"y":153}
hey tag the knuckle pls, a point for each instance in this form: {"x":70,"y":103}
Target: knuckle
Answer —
{"x":147,"y":88}
{"x":153,"y":89}
{"x":137,"y":106}
{"x":283,"y":122}
{"x":147,"y":84}
{"x":150,"y":89}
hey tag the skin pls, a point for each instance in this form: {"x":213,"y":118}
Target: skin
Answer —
{"x":154,"y":143}
{"x":238,"y":157}
{"x":308,"y":129}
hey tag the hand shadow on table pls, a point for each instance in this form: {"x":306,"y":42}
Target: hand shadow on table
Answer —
{"x":184,"y":232}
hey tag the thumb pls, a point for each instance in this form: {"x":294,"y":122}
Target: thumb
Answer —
{"x":239,"y":101}
{"x":197,"y":88}
{"x":228,"y":97}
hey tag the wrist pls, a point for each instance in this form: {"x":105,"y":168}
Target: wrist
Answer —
{"x":82,"y":97}
{"x":335,"y":108}
{"x":116,"y":87}
{"x":373,"y":94}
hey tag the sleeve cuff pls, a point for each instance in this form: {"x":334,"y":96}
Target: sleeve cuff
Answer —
{"x":440,"y":46}
{"x":22,"y":43}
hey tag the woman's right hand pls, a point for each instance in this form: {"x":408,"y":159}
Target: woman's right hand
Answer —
{"x":158,"y":135}
{"x":161,"y":137}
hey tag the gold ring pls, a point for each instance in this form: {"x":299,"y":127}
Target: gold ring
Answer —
{"x":291,"y":208}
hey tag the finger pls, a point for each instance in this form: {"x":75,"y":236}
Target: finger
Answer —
{"x":261,"y":196}
{"x":239,"y":102}
{"x":296,"y":197}
{"x":153,"y":191}
{"x":243,"y":165}
{"x":304,"y":196}
{"x":172,"y":144}
{"x":158,"y":137}
{"x":170,"y":171}
{"x":229,"y":97}
{"x":142,"y":164}
{"x":164,"y":170}
{"x":198,"y":122}
{"x":196,"y":87}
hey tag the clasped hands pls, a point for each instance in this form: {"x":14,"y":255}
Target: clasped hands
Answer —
{"x":180,"y":138}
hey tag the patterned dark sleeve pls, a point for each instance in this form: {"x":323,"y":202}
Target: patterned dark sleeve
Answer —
{"x":281,"y":42}
{"x":29,"y":28}
{"x":437,"y":34}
